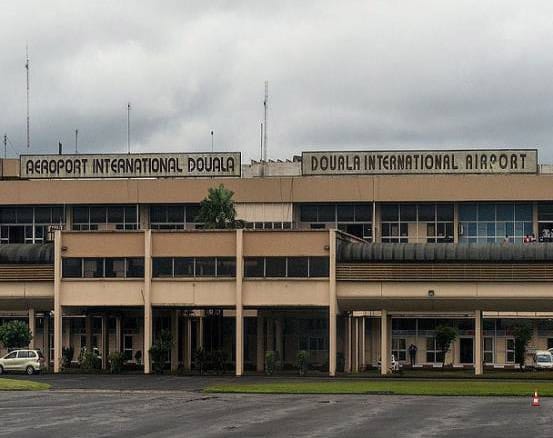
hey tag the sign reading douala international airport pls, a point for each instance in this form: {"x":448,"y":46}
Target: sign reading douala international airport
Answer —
{"x":420,"y":162}
{"x":130,"y":165}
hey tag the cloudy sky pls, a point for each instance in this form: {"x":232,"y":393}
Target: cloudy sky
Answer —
{"x":342,"y":75}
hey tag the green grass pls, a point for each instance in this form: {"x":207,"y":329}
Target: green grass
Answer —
{"x":21,"y":385}
{"x":391,"y":386}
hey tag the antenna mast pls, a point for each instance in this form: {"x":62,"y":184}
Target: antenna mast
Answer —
{"x":27,"y":68}
{"x":265,"y":128}
{"x":76,"y":141}
{"x":129,"y":128}
{"x":5,"y":145}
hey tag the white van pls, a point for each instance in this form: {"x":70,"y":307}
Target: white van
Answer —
{"x":542,"y":360}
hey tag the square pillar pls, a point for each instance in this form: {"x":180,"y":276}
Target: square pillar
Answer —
{"x":239,"y":308}
{"x":46,"y":339}
{"x":270,"y":335}
{"x":118,"y":336}
{"x":32,"y":327}
{"x":278,"y":339}
{"x":386,"y":341}
{"x":362,"y":347}
{"x":260,"y":343}
{"x":188,"y":345}
{"x":147,"y":300}
{"x":105,"y":342}
{"x":57,"y":306}
{"x":478,"y":340}
{"x":200,"y":332}
{"x":175,"y":338}
{"x":355,"y":346}
{"x":332,"y":305}
{"x":347,"y":344}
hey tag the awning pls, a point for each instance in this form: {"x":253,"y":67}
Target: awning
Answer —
{"x":24,"y":253}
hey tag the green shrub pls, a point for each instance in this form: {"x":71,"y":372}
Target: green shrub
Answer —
{"x":270,"y":362}
{"x":15,"y":334}
{"x":67,"y":356}
{"x":302,"y":362}
{"x":218,"y":359}
{"x":160,"y":350}
{"x":200,"y":360}
{"x":138,"y":357}
{"x":116,"y":361}
{"x":89,"y":360}
{"x":340,"y":362}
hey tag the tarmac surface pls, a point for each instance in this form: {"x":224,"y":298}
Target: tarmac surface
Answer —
{"x":168,"y":406}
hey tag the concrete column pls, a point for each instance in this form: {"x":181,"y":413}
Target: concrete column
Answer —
{"x":200,"y":332}
{"x":175,"y":335}
{"x":270,"y":335}
{"x":535,"y":225}
{"x":347,"y":345}
{"x":355,"y":346}
{"x":278,"y":338}
{"x":147,"y":300}
{"x":105,"y":341}
{"x":118,"y":335}
{"x":188,"y":348}
{"x":88,"y":332}
{"x":333,"y":306}
{"x":57,"y":305}
{"x":239,"y":308}
{"x":260,"y":343}
{"x":385,"y":339}
{"x":144,"y":216}
{"x":377,"y":228}
{"x":363,"y":361}
{"x":32,"y":327}
{"x":478,"y":368}
{"x":455,"y":222}
{"x":46,"y":338}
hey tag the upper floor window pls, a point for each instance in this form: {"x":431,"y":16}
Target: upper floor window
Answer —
{"x":545,"y":222}
{"x":355,"y":219}
{"x":175,"y":267}
{"x":173,"y":217}
{"x":117,"y":217}
{"x":103,"y":267}
{"x":428,"y":222}
{"x":291,"y":267}
{"x":29,"y":224}
{"x":486,"y":222}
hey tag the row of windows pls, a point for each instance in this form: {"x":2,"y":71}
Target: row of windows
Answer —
{"x":104,"y":267}
{"x":32,"y":215}
{"x":91,"y":216}
{"x":336,"y":212}
{"x":168,"y":267}
{"x":173,"y":214}
{"x":293,"y":267}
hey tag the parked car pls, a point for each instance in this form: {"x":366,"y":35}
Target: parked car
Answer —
{"x":542,"y":359}
{"x":29,"y":361}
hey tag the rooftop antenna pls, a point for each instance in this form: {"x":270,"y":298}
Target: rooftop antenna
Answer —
{"x":28,"y":88}
{"x":5,"y":146}
{"x":261,"y":143}
{"x":129,"y":128}
{"x":266,"y":107}
{"x":76,"y":141}
{"x":211,"y":141}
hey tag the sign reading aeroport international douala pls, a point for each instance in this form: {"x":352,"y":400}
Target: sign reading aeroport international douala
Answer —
{"x":420,"y":162}
{"x":169,"y":165}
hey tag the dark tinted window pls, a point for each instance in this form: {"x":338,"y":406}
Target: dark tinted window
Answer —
{"x":158,"y":214}
{"x":93,"y":268}
{"x":408,"y":212}
{"x":98,"y":214}
{"x":345,"y":212}
{"x":130,"y":214}
{"x":254,"y":267}
{"x":363,"y":212}
{"x":80,"y":214}
{"x":25,"y":215}
{"x":318,"y":266}
{"x":71,"y":268}
{"x":389,"y":212}
{"x":162,"y":267}
{"x":226,"y":267}
{"x":116,"y":214}
{"x":192,"y":212}
{"x":135,"y":267}
{"x":205,"y":266}
{"x":308,"y":213}
{"x":427,"y":213}
{"x":58,"y":215}
{"x":115,"y":268}
{"x":7,"y":215}
{"x":444,"y":212}
{"x":42,"y":215}
{"x":184,"y":267}
{"x":175,"y":213}
{"x":275,"y":267}
{"x":298,"y":266}
{"x":326,"y":213}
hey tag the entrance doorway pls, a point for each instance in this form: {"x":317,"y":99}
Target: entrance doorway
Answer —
{"x":466,"y":346}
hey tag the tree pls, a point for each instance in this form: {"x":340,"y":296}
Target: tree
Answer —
{"x":15,"y":334}
{"x":161,"y":349}
{"x":445,"y":335}
{"x":217,"y":209}
{"x":522,"y":331}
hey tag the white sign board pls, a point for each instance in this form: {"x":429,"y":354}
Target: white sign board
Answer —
{"x":420,"y":162}
{"x":130,"y":165}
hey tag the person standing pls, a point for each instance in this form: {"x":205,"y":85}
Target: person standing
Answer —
{"x":413,"y":354}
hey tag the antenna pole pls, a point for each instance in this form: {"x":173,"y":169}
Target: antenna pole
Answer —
{"x":28,"y":92}
{"x":76,"y":141}
{"x":5,"y":146}
{"x":212,"y":141}
{"x":129,"y":128}
{"x":266,"y":107}
{"x":261,"y":143}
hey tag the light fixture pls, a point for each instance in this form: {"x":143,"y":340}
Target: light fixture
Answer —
{"x":431,"y":293}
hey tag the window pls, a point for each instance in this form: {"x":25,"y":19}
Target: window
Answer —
{"x":488,"y":349}
{"x":205,"y":267}
{"x":72,"y":267}
{"x":11,"y":355}
{"x":162,"y":267}
{"x":399,"y":348}
{"x":433,"y":354}
{"x":298,"y":267}
{"x":355,"y":219}
{"x":166,"y":267}
{"x":254,"y":267}
{"x":173,"y":217}
{"x":318,"y":266}
{"x":226,"y":267}
{"x":120,"y":217}
{"x":114,"y":268}
{"x":280,"y":267}
{"x":135,"y":267}
{"x":184,"y":266}
{"x":93,"y":268}
{"x":510,"y":350}
{"x":28,"y":224}
{"x":275,"y":266}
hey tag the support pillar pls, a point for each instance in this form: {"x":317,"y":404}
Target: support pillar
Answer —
{"x":88,"y":332}
{"x":270,"y":335}
{"x":46,"y":339}
{"x":175,"y":336}
{"x":200,"y":332}
{"x":147,"y":300}
{"x":385,"y":339}
{"x":188,"y":345}
{"x":105,"y":341}
{"x":239,"y":307}
{"x":32,"y":327}
{"x":363,"y":362}
{"x":278,"y":339}
{"x":260,"y":343}
{"x":332,"y":306}
{"x":478,"y":367}
{"x":118,"y":337}
{"x":57,"y":305}
{"x":355,"y":346}
{"x":347,"y":345}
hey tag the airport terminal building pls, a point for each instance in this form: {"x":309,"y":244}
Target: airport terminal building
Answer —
{"x":350,"y":256}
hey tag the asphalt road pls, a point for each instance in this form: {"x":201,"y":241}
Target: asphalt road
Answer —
{"x":136,"y":410}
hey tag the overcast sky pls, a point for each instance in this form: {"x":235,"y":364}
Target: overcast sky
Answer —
{"x":342,"y":75}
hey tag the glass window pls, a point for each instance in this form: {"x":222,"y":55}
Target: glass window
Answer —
{"x":318,"y":266}
{"x":184,"y":267}
{"x":510,"y":350}
{"x":175,"y":213}
{"x":345,"y":212}
{"x":115,"y":268}
{"x":130,"y":215}
{"x":505,"y":212}
{"x":308,"y":213}
{"x":254,"y":267}
{"x":298,"y":266}
{"x":98,"y":215}
{"x":58,"y":215}
{"x":444,"y":212}
{"x":399,"y":349}
{"x":72,"y":267}
{"x":93,"y":268}
{"x":468,"y":212}
{"x":326,"y":213}
{"x":205,"y":267}
{"x":389,"y":212}
{"x":523,"y":212}
{"x":11,"y":355}
{"x":275,"y":267}
{"x":488,"y":349}
{"x":192,"y":212}
{"x":486,"y":212}
{"x":135,"y":267}
{"x":158,"y":213}
{"x":427,"y":212}
{"x":25,"y":215}
{"x":42,"y":215}
{"x":545,"y":212}
{"x":363,"y":213}
{"x":226,"y":266}
{"x":80,"y":215}
{"x":7,"y":215}
{"x":162,"y":267}
{"x":408,"y":212}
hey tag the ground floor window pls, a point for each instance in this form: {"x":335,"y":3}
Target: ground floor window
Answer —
{"x":127,"y":347}
{"x":510,"y":350}
{"x":433,"y":354}
{"x":488,"y":349}
{"x":313,"y":343}
{"x":399,"y":349}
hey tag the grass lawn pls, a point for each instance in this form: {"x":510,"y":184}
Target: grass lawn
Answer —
{"x":21,"y":385}
{"x":391,"y":386}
